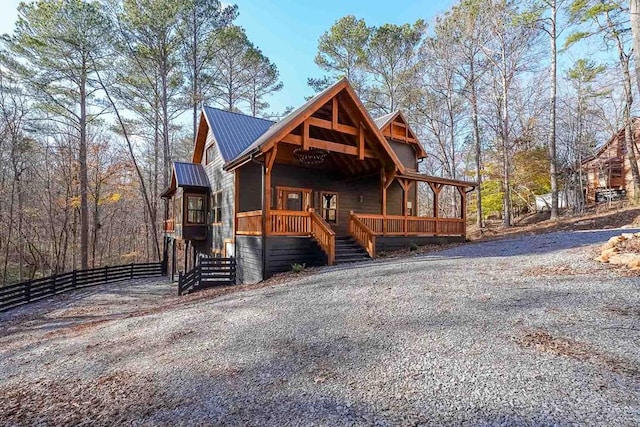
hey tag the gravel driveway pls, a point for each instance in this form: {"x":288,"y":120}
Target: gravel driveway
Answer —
{"x":526,"y":331}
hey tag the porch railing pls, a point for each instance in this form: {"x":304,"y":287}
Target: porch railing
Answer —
{"x":290,"y":223}
{"x":398,"y":225}
{"x":249,"y":223}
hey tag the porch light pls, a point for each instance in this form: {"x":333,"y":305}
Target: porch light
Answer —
{"x":313,"y":156}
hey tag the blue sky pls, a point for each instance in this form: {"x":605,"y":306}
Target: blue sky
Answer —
{"x":287,"y":31}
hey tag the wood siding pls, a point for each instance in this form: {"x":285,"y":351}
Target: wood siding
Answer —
{"x":405,"y":153}
{"x":249,"y":257}
{"x":283,"y":251}
{"x":249,"y":187}
{"x":394,"y":243}
{"x":219,"y":180}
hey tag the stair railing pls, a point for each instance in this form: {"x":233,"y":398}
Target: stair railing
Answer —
{"x":363,"y":234}
{"x":324,"y":235}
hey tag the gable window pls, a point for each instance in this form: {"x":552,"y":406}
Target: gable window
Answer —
{"x":216,"y":207}
{"x":330,"y":207}
{"x":195,"y":209}
{"x":210,"y":154}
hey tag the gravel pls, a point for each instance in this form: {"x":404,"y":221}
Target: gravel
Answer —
{"x":526,"y":331}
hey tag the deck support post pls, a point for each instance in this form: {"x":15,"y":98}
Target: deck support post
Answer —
{"x":463,"y":210}
{"x":387,"y":179}
{"x":405,"y":201}
{"x":436,"y":193}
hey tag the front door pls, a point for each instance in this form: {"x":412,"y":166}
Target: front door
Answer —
{"x":294,"y":201}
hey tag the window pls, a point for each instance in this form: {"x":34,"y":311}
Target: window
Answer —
{"x":216,"y":207}
{"x":210,"y":154}
{"x":293,"y":199}
{"x":195,"y":209}
{"x":616,"y":171}
{"x":330,"y":207}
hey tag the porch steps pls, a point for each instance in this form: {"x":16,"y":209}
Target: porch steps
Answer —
{"x":348,"y":250}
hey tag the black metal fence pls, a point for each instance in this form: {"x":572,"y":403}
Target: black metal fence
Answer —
{"x":208,"y":273}
{"x":33,"y":290}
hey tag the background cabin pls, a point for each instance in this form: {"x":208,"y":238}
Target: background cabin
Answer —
{"x":608,"y":173}
{"x":326,"y":184}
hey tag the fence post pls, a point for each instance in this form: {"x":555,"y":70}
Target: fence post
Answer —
{"x":131,"y":271}
{"x":74,"y":278}
{"x":27,"y":291}
{"x":106,"y":273}
{"x":53,"y":283}
{"x":180,"y":282}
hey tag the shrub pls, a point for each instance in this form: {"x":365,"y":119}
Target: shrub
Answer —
{"x":297,"y":268}
{"x":413,"y":246}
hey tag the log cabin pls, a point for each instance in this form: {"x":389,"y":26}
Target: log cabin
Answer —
{"x":324,"y":185}
{"x":608,"y":173}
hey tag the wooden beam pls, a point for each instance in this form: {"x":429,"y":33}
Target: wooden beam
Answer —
{"x":463,"y":209}
{"x":334,"y":113}
{"x":305,"y":135}
{"x":326,"y":124}
{"x":405,"y":200}
{"x":270,"y":160}
{"x":436,"y":193}
{"x":361,"y":142}
{"x":327,"y":145}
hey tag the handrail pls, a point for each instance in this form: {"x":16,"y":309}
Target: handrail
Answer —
{"x":289,"y":223}
{"x":399,"y":225}
{"x":363,"y":234}
{"x":324,"y":235}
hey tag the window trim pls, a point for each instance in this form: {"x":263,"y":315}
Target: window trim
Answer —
{"x":187,"y":210}
{"x":215,"y":207}
{"x":208,"y":160}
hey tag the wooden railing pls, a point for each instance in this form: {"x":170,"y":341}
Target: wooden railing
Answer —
{"x":249,"y":223}
{"x":289,"y":223}
{"x":170,"y":226}
{"x":398,"y":225}
{"x":363,"y":234}
{"x":208,"y":273}
{"x":324,"y":235}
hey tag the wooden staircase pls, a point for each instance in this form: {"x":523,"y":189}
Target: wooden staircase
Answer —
{"x":349,"y":250}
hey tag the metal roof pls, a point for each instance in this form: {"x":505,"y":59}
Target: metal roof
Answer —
{"x":190,"y":175}
{"x":234,"y":132}
{"x":383,"y":121}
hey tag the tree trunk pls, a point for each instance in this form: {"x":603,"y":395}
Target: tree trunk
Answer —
{"x":82,"y":158}
{"x":634,"y":9}
{"x":629,"y":128}
{"x":476,"y":140}
{"x":506,"y":201}
{"x":553,"y":175}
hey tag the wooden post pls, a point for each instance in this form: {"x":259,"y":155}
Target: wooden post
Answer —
{"x":334,"y":113}
{"x":436,"y":192}
{"x":74,"y":279}
{"x":53,"y":284}
{"x":131,"y":271}
{"x":405,"y":201}
{"x":361,"y":142}
{"x":387,"y":179}
{"x":269,"y":162}
{"x":27,"y":290}
{"x":173,"y":260}
{"x":106,"y":273}
{"x":463,"y":210}
{"x":186,"y":255}
{"x":305,"y":135}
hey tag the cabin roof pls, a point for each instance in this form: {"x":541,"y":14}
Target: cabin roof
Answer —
{"x":234,"y":132}
{"x":385,"y":120}
{"x":185,"y":174}
{"x":265,"y":136}
{"x":190,"y":175}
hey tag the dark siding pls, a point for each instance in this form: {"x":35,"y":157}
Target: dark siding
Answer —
{"x":395,"y":198}
{"x":405,"y":153}
{"x":225,"y":181}
{"x":282,"y":251}
{"x":394,"y":243}
{"x":250,"y":187}
{"x":348,"y":191}
{"x":249,"y":259}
